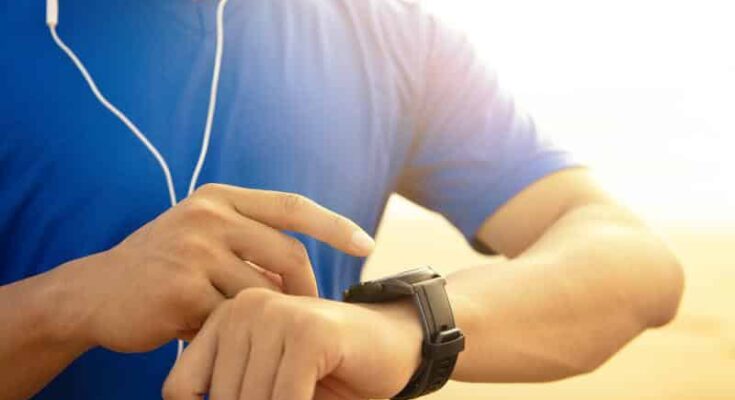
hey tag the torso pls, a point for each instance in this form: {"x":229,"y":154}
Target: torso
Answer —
{"x":315,"y":98}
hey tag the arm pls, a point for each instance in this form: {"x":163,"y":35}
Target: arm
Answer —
{"x":162,"y":281}
{"x":585,"y":277}
{"x":37,"y":337}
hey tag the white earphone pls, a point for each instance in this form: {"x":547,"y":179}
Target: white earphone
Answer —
{"x":52,"y":20}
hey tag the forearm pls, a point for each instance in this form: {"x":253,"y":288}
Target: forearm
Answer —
{"x":591,"y":283}
{"x":38,"y":336}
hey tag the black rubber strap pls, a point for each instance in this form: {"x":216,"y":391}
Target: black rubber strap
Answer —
{"x":442,"y":340}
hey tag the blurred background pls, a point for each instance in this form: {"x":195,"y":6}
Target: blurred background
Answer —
{"x":644,"y":92}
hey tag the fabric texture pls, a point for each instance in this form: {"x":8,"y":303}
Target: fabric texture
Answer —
{"x":343,"y":101}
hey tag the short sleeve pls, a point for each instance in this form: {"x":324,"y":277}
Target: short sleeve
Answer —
{"x":474,"y":149}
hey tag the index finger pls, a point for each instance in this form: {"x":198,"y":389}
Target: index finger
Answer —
{"x":293,"y":212}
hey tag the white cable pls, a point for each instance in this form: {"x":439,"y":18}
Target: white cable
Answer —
{"x":52,"y":21}
{"x":118,"y":114}
{"x":212,"y":95}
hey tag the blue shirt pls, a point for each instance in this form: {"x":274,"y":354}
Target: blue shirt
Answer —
{"x":343,"y":101}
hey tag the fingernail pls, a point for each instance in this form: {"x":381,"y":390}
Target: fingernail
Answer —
{"x":363,"y":242}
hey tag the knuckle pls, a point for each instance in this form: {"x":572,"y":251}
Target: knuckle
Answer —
{"x":302,"y":323}
{"x":293,"y":203}
{"x":208,"y":189}
{"x":327,"y":324}
{"x":262,"y":305}
{"x":251,"y":299}
{"x":202,"y":209}
{"x":311,"y":327}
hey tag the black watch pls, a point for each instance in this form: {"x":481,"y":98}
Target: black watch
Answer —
{"x":442,"y":339}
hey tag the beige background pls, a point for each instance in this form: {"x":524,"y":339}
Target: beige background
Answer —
{"x":693,"y":358}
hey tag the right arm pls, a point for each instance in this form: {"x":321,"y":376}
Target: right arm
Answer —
{"x":39,"y":333}
{"x":162,"y":282}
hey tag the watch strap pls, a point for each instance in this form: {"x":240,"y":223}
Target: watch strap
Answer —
{"x":442,"y":339}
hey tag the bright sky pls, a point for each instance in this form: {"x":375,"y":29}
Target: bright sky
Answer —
{"x":642,"y":90}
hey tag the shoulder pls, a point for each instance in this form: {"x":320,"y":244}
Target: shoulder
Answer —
{"x":407,"y":18}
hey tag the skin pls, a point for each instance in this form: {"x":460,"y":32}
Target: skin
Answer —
{"x":296,"y":348}
{"x":164,"y":280}
{"x":584,"y":277}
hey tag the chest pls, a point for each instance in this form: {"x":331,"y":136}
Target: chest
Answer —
{"x":300,"y":109}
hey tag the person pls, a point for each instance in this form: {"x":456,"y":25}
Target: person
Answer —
{"x":325,"y":109}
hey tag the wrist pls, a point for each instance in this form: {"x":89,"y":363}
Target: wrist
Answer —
{"x":64,"y":305}
{"x":464,"y":309}
{"x":404,"y":322}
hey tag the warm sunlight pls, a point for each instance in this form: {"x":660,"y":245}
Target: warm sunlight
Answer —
{"x":643,"y":91}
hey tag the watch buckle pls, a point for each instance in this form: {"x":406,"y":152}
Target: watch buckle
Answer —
{"x":445,"y":344}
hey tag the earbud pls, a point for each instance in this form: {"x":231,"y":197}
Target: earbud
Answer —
{"x":52,"y":13}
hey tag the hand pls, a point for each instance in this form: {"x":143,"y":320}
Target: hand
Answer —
{"x":265,"y":345}
{"x":164,"y":280}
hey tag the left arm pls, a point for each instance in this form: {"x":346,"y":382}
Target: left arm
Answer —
{"x":586,"y":278}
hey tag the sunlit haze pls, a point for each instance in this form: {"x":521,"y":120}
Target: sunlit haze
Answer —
{"x":642,"y":91}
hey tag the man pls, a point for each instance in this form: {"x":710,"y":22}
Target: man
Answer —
{"x":324,"y":105}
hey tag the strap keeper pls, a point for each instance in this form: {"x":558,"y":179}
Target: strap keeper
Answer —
{"x":446,"y":344}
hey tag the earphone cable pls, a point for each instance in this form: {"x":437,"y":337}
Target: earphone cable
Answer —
{"x":119,"y":114}
{"x":212,"y":95}
{"x":52,"y":21}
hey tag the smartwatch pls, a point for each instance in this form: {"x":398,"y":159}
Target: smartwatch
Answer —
{"x":442,"y":342}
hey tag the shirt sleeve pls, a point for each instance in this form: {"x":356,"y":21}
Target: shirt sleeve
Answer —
{"x":473,"y":149}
